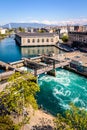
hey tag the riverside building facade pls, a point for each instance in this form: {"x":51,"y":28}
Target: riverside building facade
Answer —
{"x":36,"y":39}
{"x":79,"y":38}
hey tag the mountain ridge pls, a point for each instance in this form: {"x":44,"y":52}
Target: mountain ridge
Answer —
{"x":24,"y":25}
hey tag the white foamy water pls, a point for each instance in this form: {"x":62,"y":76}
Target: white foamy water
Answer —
{"x":25,"y":69}
{"x":62,"y":90}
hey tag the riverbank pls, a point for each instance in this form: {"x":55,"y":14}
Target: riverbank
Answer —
{"x":3,"y":36}
{"x":38,"y":119}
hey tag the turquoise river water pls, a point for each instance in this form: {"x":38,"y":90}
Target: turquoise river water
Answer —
{"x":56,"y":92}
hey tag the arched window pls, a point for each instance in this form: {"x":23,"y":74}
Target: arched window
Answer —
{"x":24,"y":40}
{"x":28,"y":40}
{"x":42,"y":40}
{"x":42,"y":51}
{"x":33,"y":40}
{"x":47,"y":40}
{"x":38,"y":40}
{"x":38,"y":51}
{"x":52,"y":40}
{"x":33,"y":51}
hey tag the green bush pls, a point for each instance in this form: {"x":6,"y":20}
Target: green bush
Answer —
{"x":7,"y":124}
{"x":65,"y":38}
{"x":74,"y":119}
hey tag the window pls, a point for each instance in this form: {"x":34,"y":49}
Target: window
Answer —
{"x":33,"y":51}
{"x":28,"y":40}
{"x":28,"y":51}
{"x":42,"y":40}
{"x":52,"y":40}
{"x":47,"y":40}
{"x":42,"y":51}
{"x":33,"y":40}
{"x":38,"y":51}
{"x":38,"y":40}
{"x":24,"y":40}
{"x":47,"y":50}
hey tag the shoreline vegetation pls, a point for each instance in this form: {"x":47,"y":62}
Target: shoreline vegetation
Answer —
{"x":20,"y":106}
{"x":8,"y":33}
{"x":2,"y":36}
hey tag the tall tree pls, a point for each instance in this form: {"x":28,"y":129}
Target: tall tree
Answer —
{"x":21,"y":29}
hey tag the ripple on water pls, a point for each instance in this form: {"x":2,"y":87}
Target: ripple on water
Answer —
{"x":63,"y":89}
{"x":61,"y":92}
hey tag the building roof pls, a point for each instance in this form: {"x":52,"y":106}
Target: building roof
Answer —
{"x":23,"y":34}
{"x":79,"y":33}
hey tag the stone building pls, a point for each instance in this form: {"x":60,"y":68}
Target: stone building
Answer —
{"x":36,"y":39}
{"x":79,"y":38}
{"x":3,"y":31}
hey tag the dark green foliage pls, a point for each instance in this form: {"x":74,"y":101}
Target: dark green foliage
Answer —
{"x":7,"y":124}
{"x":21,"y":29}
{"x":20,"y":88}
{"x":74,"y":119}
{"x":17,"y":96}
{"x":2,"y":36}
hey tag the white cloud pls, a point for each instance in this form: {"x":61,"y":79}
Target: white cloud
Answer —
{"x":80,"y":21}
{"x":34,"y":21}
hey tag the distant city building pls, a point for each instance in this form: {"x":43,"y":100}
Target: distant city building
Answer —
{"x":3,"y":31}
{"x":75,"y":28}
{"x":31,"y":30}
{"x":51,"y":30}
{"x":80,"y":29}
{"x":85,"y":28}
{"x":70,"y":28}
{"x":36,"y":39}
{"x":78,"y":38}
{"x":63,"y":30}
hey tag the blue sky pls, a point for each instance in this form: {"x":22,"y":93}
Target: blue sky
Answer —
{"x":44,"y":11}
